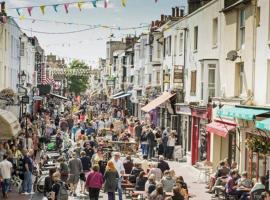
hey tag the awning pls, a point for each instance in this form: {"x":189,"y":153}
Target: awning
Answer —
{"x":122,"y":96}
{"x":263,"y":125}
{"x":117,"y":94}
{"x":219,"y":128}
{"x":59,"y":96}
{"x":9,"y":125}
{"x":240,"y":113}
{"x":158,"y":101}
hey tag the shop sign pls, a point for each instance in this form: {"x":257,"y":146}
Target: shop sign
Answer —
{"x":25,"y":100}
{"x":178,"y":74}
{"x":182,"y":109}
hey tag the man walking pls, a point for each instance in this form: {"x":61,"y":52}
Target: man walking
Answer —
{"x":27,"y":172}
{"x":5,"y":171}
{"x":121,"y":170}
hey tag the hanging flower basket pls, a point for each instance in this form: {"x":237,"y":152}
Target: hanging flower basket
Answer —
{"x":7,"y":93}
{"x":259,"y":144}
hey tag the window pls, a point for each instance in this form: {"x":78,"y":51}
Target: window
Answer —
{"x":151,"y":53}
{"x":158,"y":50}
{"x":149,"y":78}
{"x":241,"y":38}
{"x":22,"y":49}
{"x":139,"y":93}
{"x":215,"y":32}
{"x":131,"y":79}
{"x":239,"y":79}
{"x":193,"y":83}
{"x":202,"y":81}
{"x":268,"y":83}
{"x":211,"y":80}
{"x":175,"y":45}
{"x":168,"y":45}
{"x":181,"y":43}
{"x":258,"y":16}
{"x":158,"y":77}
{"x":195,"y":38}
{"x":164,"y":47}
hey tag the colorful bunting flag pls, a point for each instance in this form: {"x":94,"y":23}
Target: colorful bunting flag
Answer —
{"x":94,"y":2}
{"x":22,"y":17}
{"x":124,"y":3}
{"x":80,"y":5}
{"x":55,"y":7}
{"x":106,"y":2}
{"x":29,"y":9}
{"x":18,"y":11}
{"x":42,"y":8}
{"x":156,"y":1}
{"x":66,"y":7}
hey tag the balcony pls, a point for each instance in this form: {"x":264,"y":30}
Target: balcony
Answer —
{"x":230,"y":4}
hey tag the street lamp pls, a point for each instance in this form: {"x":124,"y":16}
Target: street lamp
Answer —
{"x":23,"y":77}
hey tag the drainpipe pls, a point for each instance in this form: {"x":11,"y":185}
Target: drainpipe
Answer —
{"x":254,"y":46}
{"x":184,"y":64}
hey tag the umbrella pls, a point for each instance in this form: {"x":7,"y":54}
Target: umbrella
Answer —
{"x":9,"y":125}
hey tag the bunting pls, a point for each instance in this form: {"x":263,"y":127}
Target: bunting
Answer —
{"x":29,"y":9}
{"x":106,"y":2}
{"x":94,"y":3}
{"x":124,"y":3}
{"x":42,"y":8}
{"x":80,"y":5}
{"x":66,"y":5}
{"x":55,"y":7}
{"x":18,"y":10}
{"x":156,"y":1}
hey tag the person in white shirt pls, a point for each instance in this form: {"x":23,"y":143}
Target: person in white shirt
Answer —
{"x":121,"y":170}
{"x":5,"y":169}
{"x":171,"y":144}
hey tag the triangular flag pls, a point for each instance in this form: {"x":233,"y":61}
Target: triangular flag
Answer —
{"x":22,"y":17}
{"x":42,"y":8}
{"x":94,"y":2}
{"x":80,"y":5}
{"x":66,"y":7}
{"x":156,"y":1}
{"x":106,"y":2}
{"x":18,"y":11}
{"x":55,"y":7}
{"x":124,"y":3}
{"x":29,"y":9}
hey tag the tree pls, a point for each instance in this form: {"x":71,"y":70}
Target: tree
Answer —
{"x":77,"y":84}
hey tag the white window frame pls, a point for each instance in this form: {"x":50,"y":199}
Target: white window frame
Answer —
{"x":241,"y":29}
{"x":196,"y":34}
{"x":212,"y":86}
{"x":181,"y":40}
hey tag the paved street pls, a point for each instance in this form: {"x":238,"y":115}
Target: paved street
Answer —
{"x":190,"y":174}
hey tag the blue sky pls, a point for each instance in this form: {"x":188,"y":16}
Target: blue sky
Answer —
{"x":88,"y":45}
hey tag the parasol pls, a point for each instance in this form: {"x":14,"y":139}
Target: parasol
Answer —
{"x":9,"y":125}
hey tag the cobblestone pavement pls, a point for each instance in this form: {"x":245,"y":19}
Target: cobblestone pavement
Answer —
{"x":190,"y":174}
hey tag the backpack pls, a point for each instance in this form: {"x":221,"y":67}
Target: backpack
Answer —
{"x":62,"y":193}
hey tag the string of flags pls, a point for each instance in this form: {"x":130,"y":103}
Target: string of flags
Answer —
{"x":66,"y":6}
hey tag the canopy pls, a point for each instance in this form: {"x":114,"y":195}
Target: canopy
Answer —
{"x":117,"y":94}
{"x":263,"y":125}
{"x":59,"y":96}
{"x":9,"y":125}
{"x":158,"y":101}
{"x":240,"y":113}
{"x":122,"y":96}
{"x":219,"y":129}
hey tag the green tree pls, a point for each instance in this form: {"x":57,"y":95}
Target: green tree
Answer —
{"x":77,"y":83}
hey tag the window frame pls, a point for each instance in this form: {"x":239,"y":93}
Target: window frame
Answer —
{"x":215,"y":32}
{"x":181,"y":42}
{"x":193,"y":83}
{"x":195,"y":41}
{"x":241,"y":28}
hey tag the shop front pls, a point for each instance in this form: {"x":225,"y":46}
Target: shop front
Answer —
{"x":200,"y":147}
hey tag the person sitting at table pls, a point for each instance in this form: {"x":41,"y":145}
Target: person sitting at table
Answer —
{"x":182,"y":182}
{"x":244,"y":182}
{"x":182,"y":190}
{"x":232,"y":187}
{"x":158,"y":193}
{"x":176,"y":195}
{"x":167,"y":181}
{"x":140,"y":181}
{"x":260,"y":185}
{"x":150,"y":184}
{"x":145,"y":163}
{"x":265,"y":196}
{"x":162,"y":164}
{"x":156,"y":171}
{"x":135,"y":172}
{"x":128,"y":164}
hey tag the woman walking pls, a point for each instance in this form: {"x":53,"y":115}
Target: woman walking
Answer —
{"x":94,"y":182}
{"x":111,"y":179}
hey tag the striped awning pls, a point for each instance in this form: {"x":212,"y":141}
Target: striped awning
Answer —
{"x":122,"y":96}
{"x":263,"y":125}
{"x":219,"y":129}
{"x":240,"y":112}
{"x":157,"y":102}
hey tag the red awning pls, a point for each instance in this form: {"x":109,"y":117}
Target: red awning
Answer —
{"x":219,"y":128}
{"x":158,"y":101}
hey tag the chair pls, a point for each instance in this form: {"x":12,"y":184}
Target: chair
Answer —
{"x":256,"y":195}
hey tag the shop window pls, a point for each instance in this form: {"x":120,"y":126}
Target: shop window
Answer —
{"x":195,"y":38}
{"x":241,"y":29}
{"x":193,"y":83}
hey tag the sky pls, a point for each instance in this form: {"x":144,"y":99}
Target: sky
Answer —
{"x":91,"y":44}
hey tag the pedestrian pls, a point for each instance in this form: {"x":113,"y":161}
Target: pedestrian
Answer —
{"x":144,"y":143}
{"x":86,"y":165}
{"x":165,"y":140}
{"x":111,"y":177}
{"x":94,"y":183}
{"x":63,"y":169}
{"x":151,"y":143}
{"x":121,"y":171}
{"x":171,"y":145}
{"x":27,"y":171}
{"x":5,"y":172}
{"x":59,"y":189}
{"x":75,"y":169}
{"x":48,"y":183}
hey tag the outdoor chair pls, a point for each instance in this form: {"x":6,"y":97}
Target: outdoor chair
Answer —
{"x":256,"y":195}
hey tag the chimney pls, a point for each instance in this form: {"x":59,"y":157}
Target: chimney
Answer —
{"x":177,"y":12}
{"x":182,"y":13}
{"x":173,"y":12}
{"x":162,"y":18}
{"x":3,"y":8}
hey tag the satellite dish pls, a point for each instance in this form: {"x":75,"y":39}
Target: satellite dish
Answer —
{"x":232,"y":55}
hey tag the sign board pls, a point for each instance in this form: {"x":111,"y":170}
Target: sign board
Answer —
{"x":38,"y":67}
{"x":178,"y":74}
{"x":25,"y":100}
{"x":178,"y":152}
{"x":182,"y":109}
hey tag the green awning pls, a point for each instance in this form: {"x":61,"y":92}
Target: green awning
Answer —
{"x":240,"y":113}
{"x":264,"y":125}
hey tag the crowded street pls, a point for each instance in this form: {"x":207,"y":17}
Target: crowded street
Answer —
{"x":134,"y":100}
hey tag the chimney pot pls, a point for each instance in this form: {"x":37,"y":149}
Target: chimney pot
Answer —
{"x":182,"y":13}
{"x":173,"y":12}
{"x":177,"y":12}
{"x":162,"y":18}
